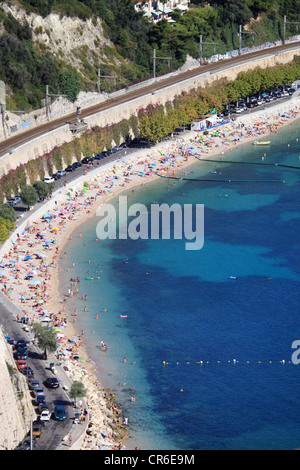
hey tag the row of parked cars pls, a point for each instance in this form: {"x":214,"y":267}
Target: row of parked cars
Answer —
{"x":85,"y":160}
{"x":254,"y":101}
{"x":20,"y":351}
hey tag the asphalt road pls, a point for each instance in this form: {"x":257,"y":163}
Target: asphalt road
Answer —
{"x":54,"y":431}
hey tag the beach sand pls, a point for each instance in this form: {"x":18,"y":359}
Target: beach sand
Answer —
{"x":38,"y":282}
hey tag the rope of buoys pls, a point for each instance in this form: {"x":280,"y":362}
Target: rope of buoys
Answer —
{"x":249,"y":163}
{"x":179,"y":178}
{"x":232,"y":361}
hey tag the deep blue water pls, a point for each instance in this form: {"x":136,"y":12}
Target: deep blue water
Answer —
{"x":182,"y":307}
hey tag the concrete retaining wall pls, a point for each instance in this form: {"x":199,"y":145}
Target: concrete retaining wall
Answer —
{"x":44,"y":143}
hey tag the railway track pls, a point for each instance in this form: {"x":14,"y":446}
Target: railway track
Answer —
{"x":28,"y":135}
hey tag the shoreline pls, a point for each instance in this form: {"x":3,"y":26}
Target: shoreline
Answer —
{"x":81,"y":207}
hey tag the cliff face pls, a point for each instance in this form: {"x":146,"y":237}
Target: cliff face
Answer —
{"x":79,"y":43}
{"x":16,"y":409}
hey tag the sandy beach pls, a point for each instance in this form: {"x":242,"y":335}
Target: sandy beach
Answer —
{"x":32,"y":265}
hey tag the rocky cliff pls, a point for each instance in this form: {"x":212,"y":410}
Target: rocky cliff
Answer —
{"x":82,"y":44}
{"x":16,"y":409}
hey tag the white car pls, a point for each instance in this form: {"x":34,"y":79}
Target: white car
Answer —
{"x":49,"y":179}
{"x":45,"y":415}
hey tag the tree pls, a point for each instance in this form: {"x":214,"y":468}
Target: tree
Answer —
{"x":42,"y":189}
{"x":7,"y":212}
{"x":28,"y":195}
{"x":77,"y":390}
{"x":70,"y":84}
{"x":5,"y":227}
{"x":46,"y":337}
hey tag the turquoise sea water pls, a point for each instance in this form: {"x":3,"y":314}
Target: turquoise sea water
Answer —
{"x":183,"y":307}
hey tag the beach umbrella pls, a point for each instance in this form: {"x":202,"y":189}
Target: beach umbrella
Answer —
{"x":74,"y":338}
{"x":27,"y":257}
{"x":2,"y":273}
{"x":45,"y":319}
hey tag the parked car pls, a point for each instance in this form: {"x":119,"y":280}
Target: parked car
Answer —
{"x":21,"y":354}
{"x":76,"y":165}
{"x":61,"y":173}
{"x":13,"y":201}
{"x":43,"y":407}
{"x":60,"y":413}
{"x":21,"y":363}
{"x":49,"y":179}
{"x":38,"y":390}
{"x":37,"y":428}
{"x":26,"y":444}
{"x":45,"y":415}
{"x":291,"y":91}
{"x":99,"y":156}
{"x":40,"y":399}
{"x":87,"y":160}
{"x":27,"y":371}
{"x":52,"y":382}
{"x":33,"y":383}
{"x":69,"y":168}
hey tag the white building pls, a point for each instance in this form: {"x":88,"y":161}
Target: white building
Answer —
{"x":207,"y":122}
{"x":156,"y":9}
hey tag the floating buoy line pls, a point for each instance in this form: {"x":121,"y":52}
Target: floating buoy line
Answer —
{"x":231,"y":361}
{"x":249,"y":163}
{"x":213,"y":180}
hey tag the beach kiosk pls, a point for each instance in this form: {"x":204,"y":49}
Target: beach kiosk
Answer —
{"x":208,"y":121}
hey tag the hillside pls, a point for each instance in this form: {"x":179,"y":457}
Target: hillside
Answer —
{"x":62,"y":44}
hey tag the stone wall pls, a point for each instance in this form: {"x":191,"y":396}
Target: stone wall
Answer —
{"x":44,"y":143}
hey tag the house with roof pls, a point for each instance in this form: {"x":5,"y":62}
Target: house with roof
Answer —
{"x":155,"y":10}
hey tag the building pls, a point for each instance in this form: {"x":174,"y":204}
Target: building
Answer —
{"x":155,"y":10}
{"x":207,"y":122}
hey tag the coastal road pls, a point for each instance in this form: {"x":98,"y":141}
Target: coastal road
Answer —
{"x":54,"y":431}
{"x":14,"y":141}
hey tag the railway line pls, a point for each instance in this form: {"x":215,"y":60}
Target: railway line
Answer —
{"x":30,"y":134}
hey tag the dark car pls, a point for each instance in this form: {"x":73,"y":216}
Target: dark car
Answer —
{"x":26,"y":444}
{"x":60,"y":413}
{"x":76,"y":165}
{"x":40,"y":400}
{"x":21,"y":354}
{"x":52,"y":382}
{"x":87,"y":160}
{"x":27,"y":371}
{"x":99,"y":156}
{"x":69,"y":168}
{"x":291,"y":91}
{"x":140,"y":143}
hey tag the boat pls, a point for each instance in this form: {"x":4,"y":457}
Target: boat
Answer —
{"x":256,"y":142}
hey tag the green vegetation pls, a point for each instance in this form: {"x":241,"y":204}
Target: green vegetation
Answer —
{"x":77,"y":390}
{"x":29,"y":195}
{"x":27,"y":71}
{"x":46,"y":337}
{"x":5,"y":227}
